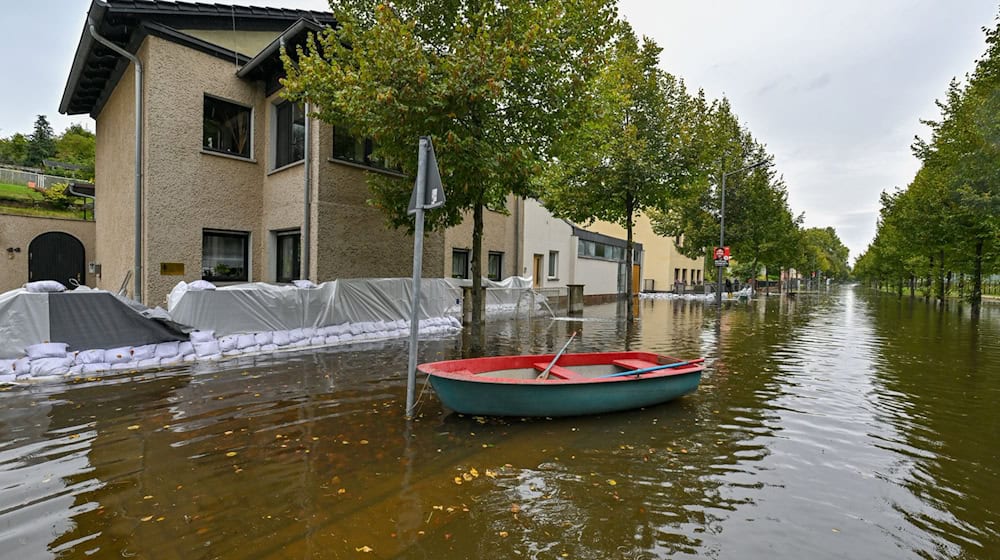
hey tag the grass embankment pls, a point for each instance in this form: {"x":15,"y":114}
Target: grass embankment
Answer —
{"x":22,"y":201}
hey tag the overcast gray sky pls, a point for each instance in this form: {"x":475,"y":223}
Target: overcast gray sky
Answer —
{"x":835,"y":89}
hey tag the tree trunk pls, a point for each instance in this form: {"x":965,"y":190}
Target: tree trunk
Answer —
{"x":939,"y":281}
{"x":629,"y":211}
{"x":976,"y":298}
{"x":477,"y":278}
{"x":929,"y":281}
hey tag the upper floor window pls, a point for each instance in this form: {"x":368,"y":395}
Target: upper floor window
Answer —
{"x":351,"y":148}
{"x":289,"y":133}
{"x":596,"y":249}
{"x":226,"y":127}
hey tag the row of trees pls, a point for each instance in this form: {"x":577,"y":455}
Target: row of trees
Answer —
{"x":553,"y":99}
{"x":947,"y":221}
{"x":74,"y":146}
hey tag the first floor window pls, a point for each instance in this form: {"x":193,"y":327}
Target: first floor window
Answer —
{"x":226,"y":127}
{"x":553,"y":264}
{"x":288,"y":256}
{"x":289,"y":133}
{"x":494,"y":265}
{"x":225,"y":256}
{"x":460,"y":263}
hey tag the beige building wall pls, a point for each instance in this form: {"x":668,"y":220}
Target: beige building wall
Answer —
{"x":248,"y":43}
{"x":114,"y":172}
{"x":17,"y":232}
{"x":500,"y":234}
{"x":661,"y":257}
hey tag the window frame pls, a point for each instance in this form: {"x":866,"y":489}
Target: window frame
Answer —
{"x":489,"y":262}
{"x":250,"y":128}
{"x":278,"y":153}
{"x":468,"y":261}
{"x":553,"y":271}
{"x":245,"y":236}
{"x":279,"y":235}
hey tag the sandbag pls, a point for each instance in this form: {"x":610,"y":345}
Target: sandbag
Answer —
{"x":144,"y":352}
{"x":228,"y":343}
{"x":206,"y":349}
{"x":167,"y":350}
{"x":51,"y":366}
{"x":263,"y":338}
{"x":94,"y":368}
{"x":281,"y":338}
{"x":44,"y":286}
{"x":118,"y":355}
{"x":317,"y":341}
{"x":245,"y":341}
{"x":46,"y":350}
{"x":185,"y":349}
{"x":84,"y":357}
{"x":202,"y":336}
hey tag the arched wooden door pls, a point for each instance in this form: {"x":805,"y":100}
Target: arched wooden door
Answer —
{"x":56,"y":256}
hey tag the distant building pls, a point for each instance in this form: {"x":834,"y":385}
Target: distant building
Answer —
{"x":664,"y":267}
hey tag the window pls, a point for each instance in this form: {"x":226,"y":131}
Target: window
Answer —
{"x":684,"y":276}
{"x":598,"y":250}
{"x":348,"y":147}
{"x":289,"y":133}
{"x":553,"y":264}
{"x":460,"y":263}
{"x":226,"y":127}
{"x":288,"y":255}
{"x":225,"y":256}
{"x":494,"y":265}
{"x":677,"y":274}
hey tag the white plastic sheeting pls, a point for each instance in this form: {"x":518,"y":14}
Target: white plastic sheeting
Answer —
{"x":24,"y":320}
{"x":260,"y":307}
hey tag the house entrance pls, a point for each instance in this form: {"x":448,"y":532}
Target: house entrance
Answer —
{"x":56,"y":256}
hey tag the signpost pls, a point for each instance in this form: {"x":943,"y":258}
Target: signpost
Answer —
{"x":427,"y":194}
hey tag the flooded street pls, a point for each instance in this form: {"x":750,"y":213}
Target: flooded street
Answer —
{"x":841,"y":425}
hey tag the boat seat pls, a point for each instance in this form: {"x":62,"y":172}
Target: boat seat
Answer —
{"x":634,"y":364}
{"x":557,"y":371}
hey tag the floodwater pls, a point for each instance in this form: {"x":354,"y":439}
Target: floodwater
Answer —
{"x":837,"y":425}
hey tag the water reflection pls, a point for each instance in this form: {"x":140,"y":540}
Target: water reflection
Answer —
{"x":838,"y":425}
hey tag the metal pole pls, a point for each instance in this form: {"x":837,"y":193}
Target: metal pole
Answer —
{"x":306,"y":242}
{"x":722,"y":242}
{"x":418,"y":254}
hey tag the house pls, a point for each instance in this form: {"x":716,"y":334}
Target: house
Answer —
{"x":558,"y":253}
{"x":664,"y":268}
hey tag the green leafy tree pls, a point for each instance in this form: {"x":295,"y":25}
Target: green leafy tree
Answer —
{"x":41,"y":144}
{"x":14,"y":150}
{"x":77,"y":146}
{"x":633,"y":152}
{"x":491,"y":83}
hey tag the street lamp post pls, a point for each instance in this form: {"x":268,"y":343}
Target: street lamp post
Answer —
{"x":722,"y":222}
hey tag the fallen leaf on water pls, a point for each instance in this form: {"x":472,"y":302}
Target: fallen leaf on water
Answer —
{"x":365,"y":548}
{"x":147,"y":518}
{"x":490,"y":474}
{"x":612,"y":482}
{"x":133,"y":427}
{"x":227,"y":433}
{"x":342,"y":491}
{"x":147,"y":497}
{"x":231,"y":454}
{"x":439,"y":508}
{"x":474,"y":472}
{"x":503,"y":534}
{"x":458,"y":480}
{"x":364,"y":442}
{"x":466,"y":476}
{"x":514,"y":508}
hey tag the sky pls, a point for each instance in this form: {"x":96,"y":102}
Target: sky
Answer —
{"x":836,"y":90}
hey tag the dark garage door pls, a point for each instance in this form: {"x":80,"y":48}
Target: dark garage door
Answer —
{"x":56,"y":256}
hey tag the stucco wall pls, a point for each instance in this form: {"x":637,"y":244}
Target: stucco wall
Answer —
{"x":114,"y":173}
{"x":500,"y":234}
{"x":544,"y":233}
{"x":19,"y":231}
{"x":599,"y":277}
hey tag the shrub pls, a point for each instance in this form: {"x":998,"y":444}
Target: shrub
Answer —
{"x":57,"y":196}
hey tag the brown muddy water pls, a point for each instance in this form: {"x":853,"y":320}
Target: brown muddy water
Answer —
{"x":840,"y":425}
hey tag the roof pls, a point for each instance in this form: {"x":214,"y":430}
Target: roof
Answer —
{"x":96,"y":69}
{"x":267,"y":63}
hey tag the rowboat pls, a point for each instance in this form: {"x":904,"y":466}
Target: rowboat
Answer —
{"x":577,"y":384}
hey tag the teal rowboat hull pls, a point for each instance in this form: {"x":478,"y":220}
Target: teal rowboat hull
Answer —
{"x":579,"y":384}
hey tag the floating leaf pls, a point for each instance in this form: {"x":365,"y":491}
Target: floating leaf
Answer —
{"x":133,"y":427}
{"x":147,"y":518}
{"x":365,"y":548}
{"x":231,"y":454}
{"x":612,"y":482}
{"x":458,"y":480}
{"x":503,"y":534}
{"x":474,"y":472}
{"x":466,"y":477}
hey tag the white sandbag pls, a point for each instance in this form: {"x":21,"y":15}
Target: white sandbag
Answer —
{"x":245,"y":341}
{"x":190,"y":358}
{"x":366,"y":326}
{"x":205,"y":349}
{"x":123,"y":366}
{"x":455,"y":322}
{"x":281,"y":338}
{"x":268,"y":347}
{"x":233,"y":352}
{"x":324,"y":331}
{"x":199,"y":285}
{"x":148,"y":363}
{"x":94,"y":368}
{"x":172,"y":360}
{"x":44,"y":286}
{"x":202,"y":336}
{"x":144,"y":352}
{"x":304,"y":284}
{"x":300,"y":344}
{"x":334,"y":339}
{"x":251,"y":349}
{"x":355,"y":329}
{"x":296,"y":335}
{"x":119,"y":355}
{"x":6,"y":367}
{"x":210,"y":358}
{"x":167,"y":350}
{"x":21,"y":366}
{"x":185,"y":348}
{"x":263,"y":338}
{"x":6,"y":378}
{"x":308,"y":332}
{"x":46,"y":350}
{"x":75,"y":370}
{"x":84,"y":357}
{"x":51,"y":366}
{"x":228,"y":343}
{"x":317,"y":341}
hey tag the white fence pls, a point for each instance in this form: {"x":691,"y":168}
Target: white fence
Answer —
{"x":41,"y":181}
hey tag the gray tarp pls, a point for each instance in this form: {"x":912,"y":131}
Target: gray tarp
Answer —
{"x":24,"y":320}
{"x":259,"y":307}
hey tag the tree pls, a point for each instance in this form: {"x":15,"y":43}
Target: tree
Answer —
{"x":631,"y":154}
{"x":41,"y":144}
{"x":77,"y":146}
{"x":14,"y":150}
{"x":491,"y":83}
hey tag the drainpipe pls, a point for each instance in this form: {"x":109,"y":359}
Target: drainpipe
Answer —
{"x":307,"y":218}
{"x":137,"y":274}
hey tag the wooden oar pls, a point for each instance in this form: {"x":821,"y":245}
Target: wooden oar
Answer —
{"x":638,"y":372}
{"x":545,"y":372}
